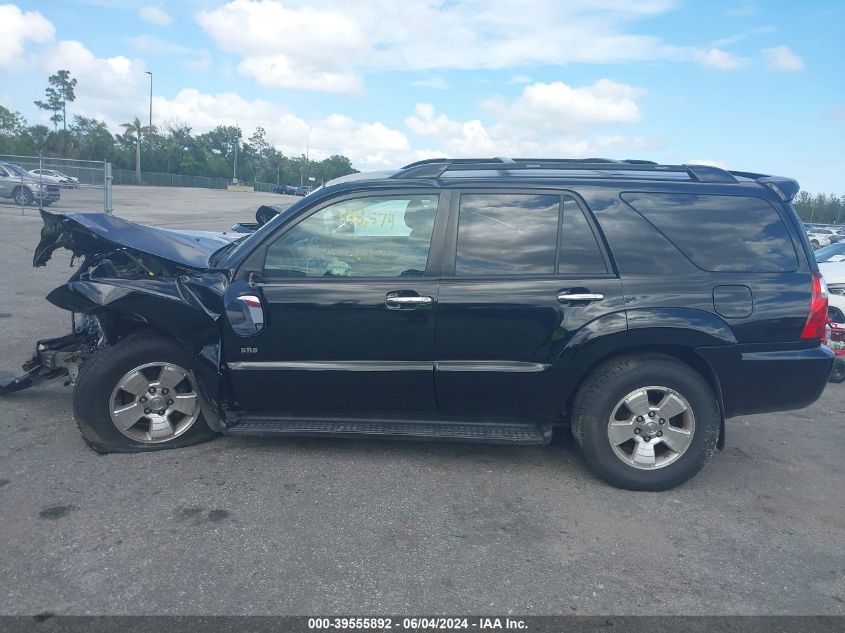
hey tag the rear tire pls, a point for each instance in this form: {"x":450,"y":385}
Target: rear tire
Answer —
{"x":99,"y":402}
{"x":837,"y":374}
{"x":646,"y":460}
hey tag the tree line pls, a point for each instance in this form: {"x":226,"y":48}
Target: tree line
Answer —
{"x":820,"y":208}
{"x":173,"y":148}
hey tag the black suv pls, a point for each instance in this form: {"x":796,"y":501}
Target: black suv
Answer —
{"x":488,"y":300}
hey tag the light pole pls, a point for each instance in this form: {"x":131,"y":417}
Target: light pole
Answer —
{"x":302,"y":167}
{"x":151,"y":98}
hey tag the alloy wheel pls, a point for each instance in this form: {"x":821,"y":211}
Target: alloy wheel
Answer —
{"x":651,"y":427}
{"x":154,"y":403}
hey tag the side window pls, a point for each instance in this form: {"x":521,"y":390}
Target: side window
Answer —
{"x":507,"y":234}
{"x":720,"y":233}
{"x":579,"y":251}
{"x":379,"y":236}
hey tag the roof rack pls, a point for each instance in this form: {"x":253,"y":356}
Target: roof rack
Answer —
{"x":436,"y":167}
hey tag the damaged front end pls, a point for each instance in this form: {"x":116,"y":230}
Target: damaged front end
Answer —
{"x":131,"y":276}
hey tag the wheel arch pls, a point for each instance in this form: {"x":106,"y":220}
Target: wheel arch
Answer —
{"x":686,"y":355}
{"x":159,"y":307}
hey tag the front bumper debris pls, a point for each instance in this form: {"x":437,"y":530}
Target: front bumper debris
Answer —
{"x":53,"y":358}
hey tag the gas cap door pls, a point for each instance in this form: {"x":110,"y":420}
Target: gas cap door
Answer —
{"x":733,"y":302}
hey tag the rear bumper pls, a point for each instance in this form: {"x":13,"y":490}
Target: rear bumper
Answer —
{"x":760,"y":381}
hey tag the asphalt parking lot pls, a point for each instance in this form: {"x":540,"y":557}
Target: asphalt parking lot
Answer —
{"x":257,"y":526}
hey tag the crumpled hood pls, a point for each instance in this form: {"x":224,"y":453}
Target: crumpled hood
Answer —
{"x":94,"y":233}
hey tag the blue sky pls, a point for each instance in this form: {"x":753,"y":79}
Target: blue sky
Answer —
{"x":749,"y":85}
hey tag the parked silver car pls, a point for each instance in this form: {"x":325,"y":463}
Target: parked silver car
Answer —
{"x":55,"y":177}
{"x":24,"y":188}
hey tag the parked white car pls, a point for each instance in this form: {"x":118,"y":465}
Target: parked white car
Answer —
{"x":833,"y":271}
{"x":56,"y":177}
{"x":819,"y":237}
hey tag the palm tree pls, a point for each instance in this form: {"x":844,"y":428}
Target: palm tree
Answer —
{"x":136,"y":129}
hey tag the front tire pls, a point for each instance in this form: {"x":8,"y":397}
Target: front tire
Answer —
{"x":137,"y":396}
{"x":646,"y":422}
{"x":23,"y":196}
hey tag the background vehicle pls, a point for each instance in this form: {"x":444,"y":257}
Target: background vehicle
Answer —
{"x":303,"y":190}
{"x":56,"y":177}
{"x":24,"y":188}
{"x":833,"y":271}
{"x":475,"y":299}
{"x":285,"y":189}
{"x":820,"y":237}
{"x":831,"y":253}
{"x":835,"y":339}
{"x":836,"y":302}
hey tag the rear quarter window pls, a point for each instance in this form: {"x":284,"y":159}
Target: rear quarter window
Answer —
{"x":720,"y":233}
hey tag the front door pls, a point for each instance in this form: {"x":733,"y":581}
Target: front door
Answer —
{"x":349,"y":295}
{"x":527,"y":274}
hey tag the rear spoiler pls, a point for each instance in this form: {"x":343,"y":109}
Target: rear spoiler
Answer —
{"x":785,"y":188}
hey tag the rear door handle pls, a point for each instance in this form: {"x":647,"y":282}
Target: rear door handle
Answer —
{"x":566,"y":297}
{"x":395,"y":301}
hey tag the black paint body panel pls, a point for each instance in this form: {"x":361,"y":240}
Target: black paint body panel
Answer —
{"x":486,"y":347}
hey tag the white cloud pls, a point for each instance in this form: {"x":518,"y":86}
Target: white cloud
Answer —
{"x":559,"y":107}
{"x":437,"y":83}
{"x":719,"y":59}
{"x":370,"y":145}
{"x":547,"y":119}
{"x":289,"y":48}
{"x":374,"y":145}
{"x":155,"y":15}
{"x":285,"y":46}
{"x":109,"y":88}
{"x":280,"y":71}
{"x":784,"y":59}
{"x":16,"y":28}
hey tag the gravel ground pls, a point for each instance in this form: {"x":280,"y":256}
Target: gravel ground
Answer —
{"x":301,"y":526}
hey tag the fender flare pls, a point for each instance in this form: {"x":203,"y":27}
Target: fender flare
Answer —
{"x":677,"y":332}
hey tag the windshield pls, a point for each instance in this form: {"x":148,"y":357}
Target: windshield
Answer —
{"x":17,"y":170}
{"x":232,"y":251}
{"x":832,"y":253}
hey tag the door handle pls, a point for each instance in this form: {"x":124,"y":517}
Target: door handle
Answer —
{"x":406,"y":300}
{"x":565,"y":297}
{"x":395,"y":301}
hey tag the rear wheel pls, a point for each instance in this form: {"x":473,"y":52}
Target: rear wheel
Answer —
{"x":837,"y":374}
{"x":138,"y":396}
{"x":646,"y":423}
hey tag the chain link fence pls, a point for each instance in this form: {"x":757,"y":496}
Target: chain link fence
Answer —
{"x":32,"y":182}
{"x":157,"y":179}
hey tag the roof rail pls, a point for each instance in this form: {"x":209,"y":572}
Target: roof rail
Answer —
{"x":436,"y":167}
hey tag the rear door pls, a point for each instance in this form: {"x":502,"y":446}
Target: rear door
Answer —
{"x":349,"y":294}
{"x":524,"y":272}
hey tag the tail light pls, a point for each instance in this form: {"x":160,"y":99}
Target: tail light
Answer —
{"x":817,"y":319}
